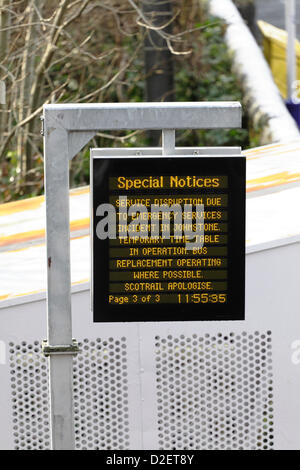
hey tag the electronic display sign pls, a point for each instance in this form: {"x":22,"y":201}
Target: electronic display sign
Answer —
{"x":168,"y":238}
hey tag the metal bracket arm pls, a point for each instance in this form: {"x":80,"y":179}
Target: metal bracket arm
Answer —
{"x":71,"y":349}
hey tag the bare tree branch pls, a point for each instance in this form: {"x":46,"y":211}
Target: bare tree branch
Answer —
{"x":113,"y":79}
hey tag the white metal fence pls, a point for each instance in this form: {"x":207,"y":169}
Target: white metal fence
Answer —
{"x":228,"y":385}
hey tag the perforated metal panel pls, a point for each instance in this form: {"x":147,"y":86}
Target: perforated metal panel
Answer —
{"x":215,"y":392}
{"x":183,"y":385}
{"x":30,"y":396}
{"x":100,"y":395}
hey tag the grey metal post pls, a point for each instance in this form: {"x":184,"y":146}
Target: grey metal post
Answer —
{"x":67,"y":128}
{"x":59,"y":281}
{"x":168,"y":142}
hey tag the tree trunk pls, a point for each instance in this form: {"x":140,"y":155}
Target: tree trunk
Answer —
{"x":27,"y":71}
{"x":39,"y":78}
{"x":247,"y":10}
{"x":158,"y":58}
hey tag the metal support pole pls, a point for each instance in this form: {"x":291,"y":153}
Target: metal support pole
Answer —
{"x":168,"y":142}
{"x":290,"y":18}
{"x":59,"y":281}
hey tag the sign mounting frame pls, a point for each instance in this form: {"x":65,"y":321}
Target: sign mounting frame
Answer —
{"x":67,"y":129}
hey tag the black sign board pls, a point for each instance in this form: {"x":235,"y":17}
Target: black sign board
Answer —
{"x":162,"y":279}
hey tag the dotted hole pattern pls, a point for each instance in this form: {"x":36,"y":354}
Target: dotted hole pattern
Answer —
{"x":100,"y":395}
{"x":215,"y":392}
{"x":30,"y":397}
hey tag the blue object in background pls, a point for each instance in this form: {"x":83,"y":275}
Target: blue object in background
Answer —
{"x":294,"y":109}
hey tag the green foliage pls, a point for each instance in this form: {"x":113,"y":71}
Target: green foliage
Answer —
{"x":204,"y":75}
{"x":13,"y":186}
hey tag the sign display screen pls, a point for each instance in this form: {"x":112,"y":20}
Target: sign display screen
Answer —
{"x":168,"y":238}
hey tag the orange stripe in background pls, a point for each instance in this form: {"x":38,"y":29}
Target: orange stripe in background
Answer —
{"x":75,"y":225}
{"x":263,"y":150}
{"x":277,"y":179}
{"x":23,"y":294}
{"x":256,"y":184}
{"x":83,"y":224}
{"x":22,"y":237}
{"x":80,"y":191}
{"x":34,"y":202}
{"x":80,"y":224}
{"x":4,"y":297}
{"x":281,"y":153}
{"x":20,"y":206}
